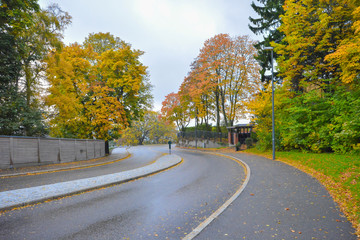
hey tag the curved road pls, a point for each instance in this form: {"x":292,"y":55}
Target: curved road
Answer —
{"x":167,"y":205}
{"x":279,"y":202}
{"x":140,"y":156}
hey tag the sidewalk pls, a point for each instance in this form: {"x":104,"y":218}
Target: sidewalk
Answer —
{"x":280,"y":202}
{"x":118,"y":154}
{"x":26,"y":196}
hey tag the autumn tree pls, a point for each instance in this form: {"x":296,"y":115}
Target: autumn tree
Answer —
{"x":241,"y":79}
{"x":44,"y":35}
{"x":102,"y":42}
{"x":347,"y":55}
{"x":138,"y":99}
{"x":225,"y":74}
{"x":162,"y":131}
{"x":196,"y":93}
{"x":174,"y":109}
{"x":317,"y":107}
{"x":95,"y":94}
{"x":213,"y":60}
{"x":152,"y":128}
{"x":313,"y":29}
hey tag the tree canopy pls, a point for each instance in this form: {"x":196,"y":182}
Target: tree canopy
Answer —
{"x":152,"y":128}
{"x":96,"y":93}
{"x":27,"y":33}
{"x":266,"y":24}
{"x":222,"y":78}
{"x":317,"y":104}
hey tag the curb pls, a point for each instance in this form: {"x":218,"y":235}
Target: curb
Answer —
{"x":26,"y":196}
{"x":64,"y":168}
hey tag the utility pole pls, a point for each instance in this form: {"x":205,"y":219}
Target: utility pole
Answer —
{"x":272,"y":88}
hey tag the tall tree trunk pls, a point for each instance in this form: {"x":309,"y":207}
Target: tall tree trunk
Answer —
{"x":223,"y":107}
{"x":28,"y":84}
{"x":217,"y":110}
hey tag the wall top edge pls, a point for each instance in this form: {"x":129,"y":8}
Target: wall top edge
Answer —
{"x":50,"y":138}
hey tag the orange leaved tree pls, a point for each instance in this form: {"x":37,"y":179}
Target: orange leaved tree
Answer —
{"x":175,"y":109}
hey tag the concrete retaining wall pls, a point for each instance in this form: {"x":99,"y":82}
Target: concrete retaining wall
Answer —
{"x":200,"y":143}
{"x":28,"y":151}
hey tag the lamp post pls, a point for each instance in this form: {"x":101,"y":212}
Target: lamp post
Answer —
{"x":272,"y":88}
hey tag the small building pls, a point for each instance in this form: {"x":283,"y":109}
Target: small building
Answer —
{"x":239,"y":133}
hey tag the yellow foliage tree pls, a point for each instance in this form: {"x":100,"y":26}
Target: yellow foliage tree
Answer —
{"x":347,"y":54}
{"x":94,"y":95}
{"x":152,"y":128}
{"x":313,"y":29}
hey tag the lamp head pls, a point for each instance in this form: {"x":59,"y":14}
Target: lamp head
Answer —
{"x":268,"y":48}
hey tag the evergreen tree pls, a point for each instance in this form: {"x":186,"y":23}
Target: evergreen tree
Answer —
{"x":27,"y":33}
{"x":267,"y":24}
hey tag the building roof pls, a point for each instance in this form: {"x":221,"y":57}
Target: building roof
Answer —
{"x":241,"y":126}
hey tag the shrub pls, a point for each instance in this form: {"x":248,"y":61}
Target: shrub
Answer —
{"x":249,"y":142}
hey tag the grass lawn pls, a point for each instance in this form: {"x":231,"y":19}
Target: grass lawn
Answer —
{"x":340,"y":174}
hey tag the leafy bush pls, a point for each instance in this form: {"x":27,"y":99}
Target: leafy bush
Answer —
{"x":311,"y":122}
{"x":249,"y":142}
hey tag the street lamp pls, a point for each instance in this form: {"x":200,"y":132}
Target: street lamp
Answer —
{"x":272,"y":88}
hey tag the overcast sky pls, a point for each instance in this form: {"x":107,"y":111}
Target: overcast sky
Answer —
{"x":170,"y":32}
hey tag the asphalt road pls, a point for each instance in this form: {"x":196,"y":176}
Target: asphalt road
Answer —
{"x":167,"y":205}
{"x":280,"y":202}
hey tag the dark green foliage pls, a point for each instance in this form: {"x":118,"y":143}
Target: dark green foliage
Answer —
{"x":305,"y":123}
{"x":238,"y":146}
{"x":10,"y":64}
{"x":201,"y":127}
{"x":249,"y":142}
{"x":10,"y":99}
{"x":15,"y":15}
{"x":269,"y":12}
{"x":16,"y":117}
{"x":316,"y":122}
{"x":323,"y":124}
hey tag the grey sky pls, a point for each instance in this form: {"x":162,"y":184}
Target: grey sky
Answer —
{"x":171,"y":32}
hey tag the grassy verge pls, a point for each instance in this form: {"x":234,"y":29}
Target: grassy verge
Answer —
{"x":340,"y":174}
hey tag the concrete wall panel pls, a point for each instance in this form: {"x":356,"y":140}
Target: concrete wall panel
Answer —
{"x":67,"y":153}
{"x":26,"y":151}
{"x":80,"y":150}
{"x":4,"y":152}
{"x":200,"y":144}
{"x":97,"y":149}
{"x":90,"y":149}
{"x":49,"y":150}
{"x":102,"y":147}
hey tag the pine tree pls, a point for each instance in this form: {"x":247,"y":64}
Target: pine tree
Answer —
{"x":267,"y":24}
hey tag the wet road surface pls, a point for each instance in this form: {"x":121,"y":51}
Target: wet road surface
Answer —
{"x":167,"y":205}
{"x":280,"y":202}
{"x":140,"y":157}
